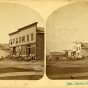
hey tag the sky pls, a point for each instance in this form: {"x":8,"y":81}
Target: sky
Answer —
{"x":66,"y":25}
{"x":15,"y":16}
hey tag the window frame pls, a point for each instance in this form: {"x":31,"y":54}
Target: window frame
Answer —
{"x":23,"y":39}
{"x":32,"y":36}
{"x":11,"y":42}
{"x":16,"y":40}
{"x":27,"y":38}
{"x":19,"y":39}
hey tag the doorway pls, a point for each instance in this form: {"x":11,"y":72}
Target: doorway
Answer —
{"x":28,"y":51}
{"x":14,"y":50}
{"x":57,"y":58}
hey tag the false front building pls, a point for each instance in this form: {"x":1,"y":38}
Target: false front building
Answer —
{"x":28,"y":40}
{"x":79,"y":49}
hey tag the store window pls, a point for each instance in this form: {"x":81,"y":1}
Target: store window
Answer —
{"x":23,"y":50}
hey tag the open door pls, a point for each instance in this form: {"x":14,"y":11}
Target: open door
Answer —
{"x":14,"y":50}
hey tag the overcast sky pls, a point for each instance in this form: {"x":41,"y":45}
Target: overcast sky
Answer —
{"x":15,"y":16}
{"x":66,"y":25}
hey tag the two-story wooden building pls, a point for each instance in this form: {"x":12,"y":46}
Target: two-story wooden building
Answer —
{"x":79,"y":49}
{"x":28,"y":40}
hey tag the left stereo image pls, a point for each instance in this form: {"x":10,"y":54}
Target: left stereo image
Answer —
{"x":21,"y":43}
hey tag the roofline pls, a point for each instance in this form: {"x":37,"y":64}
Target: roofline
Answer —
{"x":23,"y":28}
{"x":65,"y":50}
{"x":13,"y":32}
{"x":84,"y":43}
{"x":40,"y":32}
{"x":69,"y":50}
{"x":76,"y":42}
{"x":84,"y":47}
{"x":28,"y":25}
{"x":56,"y":52}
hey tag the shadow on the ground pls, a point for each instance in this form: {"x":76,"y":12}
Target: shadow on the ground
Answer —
{"x":14,"y":69}
{"x":55,"y":70}
{"x":27,"y":77}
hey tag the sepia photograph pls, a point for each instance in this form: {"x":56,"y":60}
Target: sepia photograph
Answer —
{"x":21,"y":43}
{"x":43,"y":43}
{"x":67,"y":42}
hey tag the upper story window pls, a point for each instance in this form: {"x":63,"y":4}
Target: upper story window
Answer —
{"x":27,"y":38}
{"x":76,"y":48}
{"x":32,"y":37}
{"x":79,"y":48}
{"x":13,"y":41}
{"x":19,"y":39}
{"x":23,"y":39}
{"x":9,"y":41}
{"x":16,"y":40}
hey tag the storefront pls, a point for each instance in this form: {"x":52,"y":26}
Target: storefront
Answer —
{"x":26,"y":50}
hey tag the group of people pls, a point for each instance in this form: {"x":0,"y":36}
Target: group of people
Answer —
{"x":32,"y":57}
{"x":19,"y":56}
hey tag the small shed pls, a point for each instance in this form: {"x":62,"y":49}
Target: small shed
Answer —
{"x":56,"y":55}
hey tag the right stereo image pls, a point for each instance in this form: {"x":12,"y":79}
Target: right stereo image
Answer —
{"x":67,"y":42}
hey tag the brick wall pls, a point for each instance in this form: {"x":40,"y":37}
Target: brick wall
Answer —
{"x":40,"y":46}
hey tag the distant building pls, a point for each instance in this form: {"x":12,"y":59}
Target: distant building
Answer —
{"x":65,"y":54}
{"x":84,"y":49}
{"x":79,"y":49}
{"x":28,"y":40}
{"x":76,"y":49}
{"x":56,"y":56}
{"x":69,"y":53}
